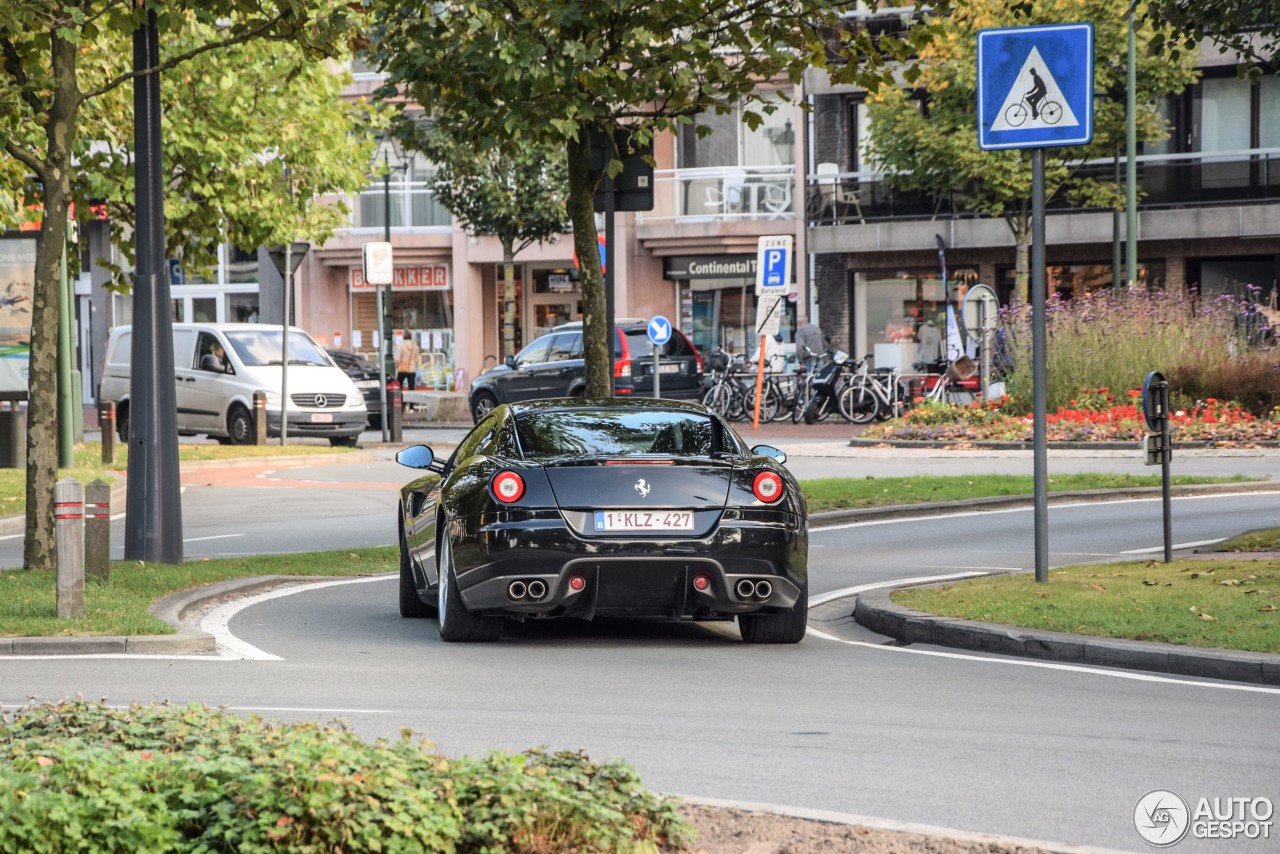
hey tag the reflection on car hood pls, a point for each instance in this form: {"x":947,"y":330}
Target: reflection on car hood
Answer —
{"x":599,"y":486}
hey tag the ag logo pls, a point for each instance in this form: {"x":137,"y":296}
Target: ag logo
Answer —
{"x":642,"y":488}
{"x":1161,"y":818}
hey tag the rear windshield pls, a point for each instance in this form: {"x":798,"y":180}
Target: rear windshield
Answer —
{"x":563,"y":435}
{"x":640,"y":346}
{"x":262,"y":347}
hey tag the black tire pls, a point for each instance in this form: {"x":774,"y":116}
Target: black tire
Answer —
{"x":781,"y":627}
{"x":239,"y":426}
{"x":482,"y":404}
{"x":344,"y":441}
{"x":859,"y":405}
{"x":411,"y":605}
{"x":816,"y":410}
{"x":456,"y":622}
{"x":122,"y":423}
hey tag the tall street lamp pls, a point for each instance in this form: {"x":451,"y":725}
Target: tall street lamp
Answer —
{"x":389,"y":149}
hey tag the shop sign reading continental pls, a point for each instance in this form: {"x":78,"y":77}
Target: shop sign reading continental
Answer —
{"x":709,"y":267}
{"x":430,"y":277}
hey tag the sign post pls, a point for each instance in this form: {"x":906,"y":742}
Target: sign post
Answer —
{"x":379,"y":270}
{"x":1035,"y":90}
{"x":659,"y":334}
{"x":1157,"y":447}
{"x":773,"y":282}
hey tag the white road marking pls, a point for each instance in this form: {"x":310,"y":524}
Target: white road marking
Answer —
{"x":12,"y":536}
{"x":823,"y":598}
{"x":215,"y":622}
{"x":1016,"y":662}
{"x":214,"y":537}
{"x":1174,"y":547}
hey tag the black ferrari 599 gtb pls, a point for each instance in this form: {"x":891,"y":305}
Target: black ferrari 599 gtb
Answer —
{"x":583,"y":508}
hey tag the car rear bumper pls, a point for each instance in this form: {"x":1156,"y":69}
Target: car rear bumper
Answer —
{"x":627,"y":577}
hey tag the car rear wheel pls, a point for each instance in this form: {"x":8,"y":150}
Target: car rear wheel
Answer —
{"x":411,"y":606}
{"x":482,"y":405}
{"x":456,"y":622}
{"x":782,"y":627}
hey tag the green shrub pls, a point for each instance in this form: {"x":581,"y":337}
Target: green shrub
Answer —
{"x":1113,"y":339}
{"x":80,"y":776}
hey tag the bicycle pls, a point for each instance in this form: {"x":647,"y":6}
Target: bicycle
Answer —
{"x":871,"y":395}
{"x":1050,"y":112}
{"x":732,"y":393}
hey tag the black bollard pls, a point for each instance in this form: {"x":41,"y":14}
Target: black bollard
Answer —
{"x":394,"y":413}
{"x":259,"y":418}
{"x":107,"y":424}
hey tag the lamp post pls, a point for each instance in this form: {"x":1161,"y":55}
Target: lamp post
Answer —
{"x":388,"y":145}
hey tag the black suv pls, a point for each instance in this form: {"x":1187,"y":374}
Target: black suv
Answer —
{"x":552,"y":366}
{"x":365,"y":375}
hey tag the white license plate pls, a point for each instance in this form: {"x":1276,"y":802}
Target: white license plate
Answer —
{"x":668,"y":369}
{"x":644,"y":520}
{"x":321,"y":418}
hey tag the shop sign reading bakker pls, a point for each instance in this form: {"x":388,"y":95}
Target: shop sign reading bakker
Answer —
{"x":429,"y":277}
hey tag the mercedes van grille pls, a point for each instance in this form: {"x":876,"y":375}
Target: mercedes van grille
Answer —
{"x":319,"y":401}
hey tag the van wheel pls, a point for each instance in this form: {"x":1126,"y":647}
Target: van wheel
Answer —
{"x":239,"y":426}
{"x":122,"y":424}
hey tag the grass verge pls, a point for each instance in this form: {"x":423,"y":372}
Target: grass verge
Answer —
{"x":1262,"y":540}
{"x":28,"y":599}
{"x":840,"y":493}
{"x":1229,"y":603}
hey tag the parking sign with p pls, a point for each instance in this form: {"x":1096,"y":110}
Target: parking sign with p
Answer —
{"x":773,"y":264}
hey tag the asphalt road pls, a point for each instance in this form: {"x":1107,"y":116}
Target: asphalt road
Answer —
{"x":841,"y":722}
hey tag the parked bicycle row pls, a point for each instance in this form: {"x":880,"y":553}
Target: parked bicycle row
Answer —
{"x":835,"y":384}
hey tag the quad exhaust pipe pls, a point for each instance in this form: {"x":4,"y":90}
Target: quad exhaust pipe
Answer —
{"x":747,"y":588}
{"x":535,"y":589}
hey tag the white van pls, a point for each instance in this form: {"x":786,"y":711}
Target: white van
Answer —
{"x":218,"y":367}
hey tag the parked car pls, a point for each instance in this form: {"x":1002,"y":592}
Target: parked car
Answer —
{"x":553,"y":366}
{"x":584,"y":508}
{"x":365,"y":375}
{"x":218,"y":367}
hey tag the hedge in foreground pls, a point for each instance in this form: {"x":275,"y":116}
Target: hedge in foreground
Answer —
{"x":80,"y":776}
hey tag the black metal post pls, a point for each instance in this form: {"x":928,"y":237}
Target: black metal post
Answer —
{"x":610,"y":257}
{"x":1038,"y":358}
{"x":153,"y":502}
{"x":1166,"y":456}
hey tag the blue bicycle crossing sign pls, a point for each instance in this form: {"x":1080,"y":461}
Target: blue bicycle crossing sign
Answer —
{"x":1035,"y":86}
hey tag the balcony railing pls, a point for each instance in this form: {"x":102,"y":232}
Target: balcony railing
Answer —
{"x":1164,"y":181}
{"x":723,"y":193}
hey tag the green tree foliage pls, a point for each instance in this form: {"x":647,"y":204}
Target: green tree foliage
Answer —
{"x":510,"y":73}
{"x":517,"y":196}
{"x":233,"y":121}
{"x":49,"y":72}
{"x":1251,"y":28}
{"x":926,"y":139}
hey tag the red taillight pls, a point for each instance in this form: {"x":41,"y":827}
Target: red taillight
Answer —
{"x":622,"y":365}
{"x":767,"y":487}
{"x":508,"y":487}
{"x":701,"y":369}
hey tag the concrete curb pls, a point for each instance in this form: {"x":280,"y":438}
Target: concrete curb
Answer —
{"x":987,"y":445}
{"x":877,"y":612}
{"x":173,"y":609}
{"x":929,"y":830}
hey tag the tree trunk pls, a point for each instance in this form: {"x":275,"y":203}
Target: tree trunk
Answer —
{"x":508,"y":297}
{"x":1021,"y":224}
{"x":42,"y":389}
{"x":597,"y":347}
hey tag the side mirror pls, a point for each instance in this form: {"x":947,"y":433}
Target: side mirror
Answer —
{"x":769,"y":451}
{"x":416,"y":457}
{"x":510,"y":361}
